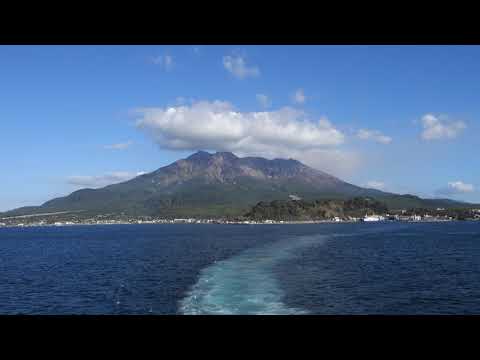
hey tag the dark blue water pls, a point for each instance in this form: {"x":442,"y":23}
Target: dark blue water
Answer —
{"x":390,"y":268}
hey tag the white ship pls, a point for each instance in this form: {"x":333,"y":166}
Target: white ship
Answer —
{"x":369,"y":218}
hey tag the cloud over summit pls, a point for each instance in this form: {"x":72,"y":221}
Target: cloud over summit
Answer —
{"x":217,"y":125}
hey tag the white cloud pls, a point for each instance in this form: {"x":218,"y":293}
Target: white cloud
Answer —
{"x":284,"y":133}
{"x":374,"y":135}
{"x":164,"y":61}
{"x":217,"y":125}
{"x":237,"y":65}
{"x":264,"y":100}
{"x":299,"y":97}
{"x":461,"y":187}
{"x":436,"y":129}
{"x":119,"y":146}
{"x":455,"y":188}
{"x":102,"y":180}
{"x":373,"y":184}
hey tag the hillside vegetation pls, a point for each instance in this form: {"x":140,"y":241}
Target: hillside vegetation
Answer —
{"x":300,"y":210}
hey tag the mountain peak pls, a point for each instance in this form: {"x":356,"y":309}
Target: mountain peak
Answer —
{"x":204,"y":156}
{"x":206,"y":184}
{"x":200,"y":154}
{"x":225,"y":155}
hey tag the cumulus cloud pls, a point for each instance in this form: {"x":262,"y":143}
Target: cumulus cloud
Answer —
{"x":217,"y":125}
{"x":119,"y":146}
{"x":102,"y":180}
{"x":373,"y":135}
{"x":264,"y":100}
{"x":237,"y":65}
{"x":299,"y":97}
{"x":164,"y":61}
{"x":436,"y":129}
{"x":455,"y":188}
{"x":283,"y":133}
{"x":373,"y":184}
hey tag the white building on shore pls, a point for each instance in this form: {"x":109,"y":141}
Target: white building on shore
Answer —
{"x":370,"y":218}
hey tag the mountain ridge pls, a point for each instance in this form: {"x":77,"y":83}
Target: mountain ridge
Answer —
{"x":221,"y":183}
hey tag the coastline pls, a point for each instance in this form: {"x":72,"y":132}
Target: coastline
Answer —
{"x":314,"y":222}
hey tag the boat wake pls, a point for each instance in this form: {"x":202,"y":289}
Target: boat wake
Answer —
{"x":246,"y":283}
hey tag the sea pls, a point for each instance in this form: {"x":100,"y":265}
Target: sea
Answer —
{"x":388,"y":268}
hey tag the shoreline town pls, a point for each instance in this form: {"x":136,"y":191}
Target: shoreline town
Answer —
{"x":50,"y":220}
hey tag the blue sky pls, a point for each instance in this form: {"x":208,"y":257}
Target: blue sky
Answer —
{"x":400,"y":118}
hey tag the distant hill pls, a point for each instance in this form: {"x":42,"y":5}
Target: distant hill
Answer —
{"x":300,"y":210}
{"x":205,"y":185}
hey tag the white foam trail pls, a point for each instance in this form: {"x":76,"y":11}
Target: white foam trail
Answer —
{"x":245,"y":283}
